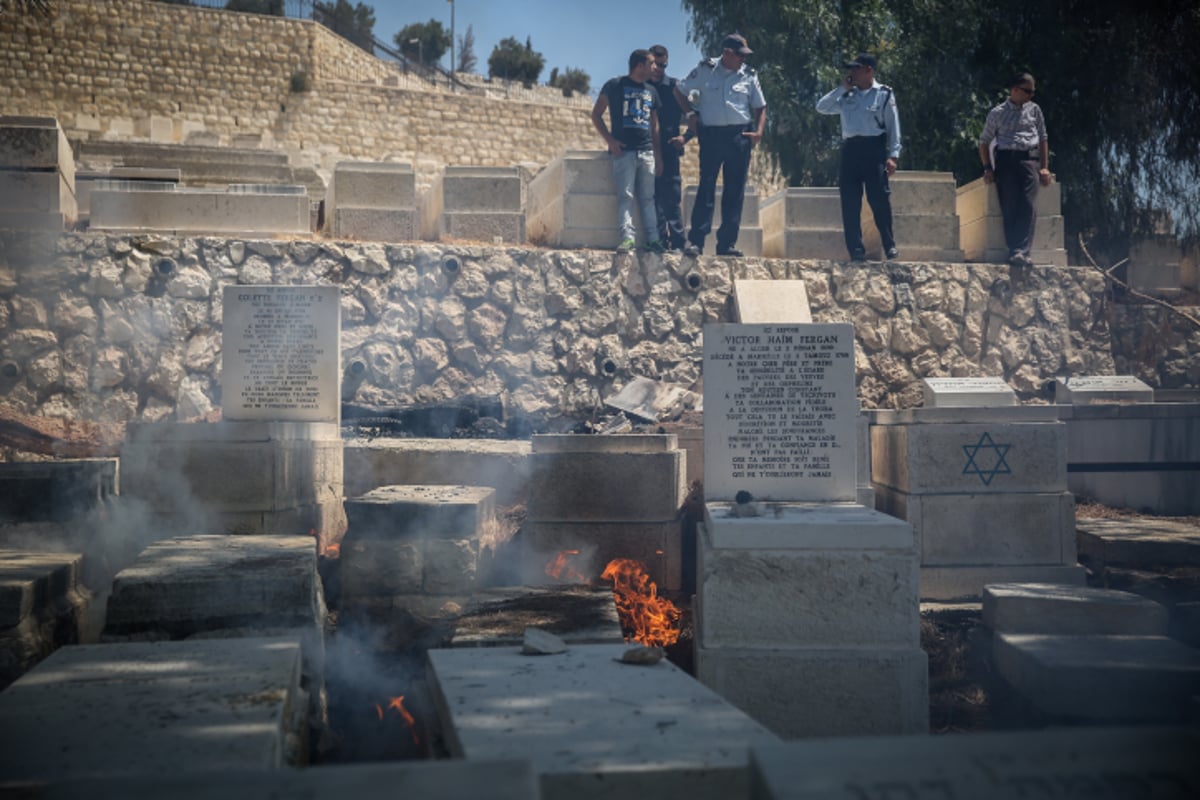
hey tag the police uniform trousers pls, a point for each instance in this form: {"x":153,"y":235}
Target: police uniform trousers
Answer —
{"x":864,"y":165}
{"x":668,"y":193}
{"x":722,"y":149}
{"x":1016,"y":174}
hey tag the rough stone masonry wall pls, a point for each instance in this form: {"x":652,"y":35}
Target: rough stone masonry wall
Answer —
{"x":111,"y":328}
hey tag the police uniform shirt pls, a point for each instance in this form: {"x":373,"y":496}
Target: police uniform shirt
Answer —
{"x":869,"y":112}
{"x":1014,"y":127}
{"x":727,"y":97}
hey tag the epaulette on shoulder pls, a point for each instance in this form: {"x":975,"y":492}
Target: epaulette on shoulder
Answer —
{"x":711,"y":62}
{"x":887,"y":88}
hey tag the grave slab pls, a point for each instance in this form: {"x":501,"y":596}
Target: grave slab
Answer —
{"x":1126,"y":763}
{"x":502,"y":465}
{"x":591,"y":726}
{"x":1144,"y":541}
{"x":1044,"y":608}
{"x":576,"y":614}
{"x":760,"y":302}
{"x":421,"y":512}
{"x":154,"y":708}
{"x":482,"y":226}
{"x":36,"y":143}
{"x":432,"y":780}
{"x":373,"y":184}
{"x":482,"y":189}
{"x":1092,"y":389}
{"x":375,"y":224}
{"x":55,"y":490}
{"x":968,"y":392}
{"x":199,"y":211}
{"x":43,"y":606}
{"x":1112,"y":678}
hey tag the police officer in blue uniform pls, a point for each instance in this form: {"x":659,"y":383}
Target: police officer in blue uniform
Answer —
{"x":870,"y":147}
{"x":728,"y":118}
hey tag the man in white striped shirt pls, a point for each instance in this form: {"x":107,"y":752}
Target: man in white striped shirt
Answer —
{"x":1021,"y":162}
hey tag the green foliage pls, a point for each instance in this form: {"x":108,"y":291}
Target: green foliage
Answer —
{"x":571,"y":80}
{"x":271,"y":7}
{"x":353,"y":22}
{"x":515,"y":61}
{"x":432,"y":41}
{"x":1120,"y":94}
{"x":35,"y":8}
{"x":467,"y":61}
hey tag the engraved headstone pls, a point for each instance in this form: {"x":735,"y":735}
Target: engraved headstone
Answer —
{"x":1089,"y":389}
{"x":967,"y":392}
{"x":280,"y":353}
{"x":780,"y":412}
{"x":771,"y":301}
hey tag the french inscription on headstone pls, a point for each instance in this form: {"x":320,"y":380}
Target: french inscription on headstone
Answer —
{"x":280,"y":353}
{"x":967,"y":392}
{"x":779,"y":412}
{"x":1087,"y":389}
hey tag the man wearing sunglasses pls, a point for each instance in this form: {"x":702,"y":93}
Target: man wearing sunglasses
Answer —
{"x":1021,"y":162}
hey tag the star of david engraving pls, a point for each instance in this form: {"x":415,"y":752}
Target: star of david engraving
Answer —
{"x":981,"y":450}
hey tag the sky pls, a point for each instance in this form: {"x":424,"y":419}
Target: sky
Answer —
{"x":596,"y":36}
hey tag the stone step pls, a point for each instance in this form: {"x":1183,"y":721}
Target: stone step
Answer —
{"x":1110,"y":678}
{"x":1046,"y":608}
{"x":593,"y":726}
{"x":1154,"y":541}
{"x":155,"y":708}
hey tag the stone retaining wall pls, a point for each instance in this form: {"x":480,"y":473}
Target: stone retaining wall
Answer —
{"x":111,"y":328}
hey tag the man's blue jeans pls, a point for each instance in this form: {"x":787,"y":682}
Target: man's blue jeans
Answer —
{"x":633,"y":175}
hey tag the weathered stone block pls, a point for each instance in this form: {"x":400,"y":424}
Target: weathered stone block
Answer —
{"x":830,"y":692}
{"x":1044,"y":608}
{"x":500,"y":464}
{"x":482,"y":189}
{"x":373,"y":184}
{"x":451,"y":565}
{"x":43,"y":192}
{"x":199,"y":211}
{"x":378,"y":567}
{"x":750,"y":209}
{"x":36,"y":143}
{"x":441,"y":512}
{"x":484,"y":226}
{"x":375,"y":224}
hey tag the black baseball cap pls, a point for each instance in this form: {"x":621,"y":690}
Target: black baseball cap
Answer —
{"x":737,"y":43}
{"x":862,"y":60}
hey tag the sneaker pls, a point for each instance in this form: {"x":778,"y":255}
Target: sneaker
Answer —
{"x":733,"y":252}
{"x":1020,"y":260}
{"x":691,"y":250}
{"x":655,"y":247}
{"x":893,"y":253}
{"x":858,"y":256}
{"x":626,"y":246}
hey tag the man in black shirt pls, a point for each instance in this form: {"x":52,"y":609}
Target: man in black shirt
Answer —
{"x":668,"y":187}
{"x":633,"y":143}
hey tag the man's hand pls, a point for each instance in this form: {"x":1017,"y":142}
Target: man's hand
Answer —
{"x":614,"y":147}
{"x":989,"y":177}
{"x":677,"y":142}
{"x":1044,"y":177}
{"x":890,"y":166}
{"x":754,"y":136}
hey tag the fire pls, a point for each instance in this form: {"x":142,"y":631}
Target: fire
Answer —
{"x":560,"y":569}
{"x":333,"y":551}
{"x":397,"y":703}
{"x":654,"y":621}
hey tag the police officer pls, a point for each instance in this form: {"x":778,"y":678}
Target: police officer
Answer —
{"x":728,"y":119}
{"x":668,"y":189}
{"x":870,"y":147}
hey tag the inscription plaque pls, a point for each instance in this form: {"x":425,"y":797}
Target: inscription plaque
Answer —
{"x":967,"y":392}
{"x":280,"y":353}
{"x":779,"y":412}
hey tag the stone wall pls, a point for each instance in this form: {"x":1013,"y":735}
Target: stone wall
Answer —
{"x":119,"y":328}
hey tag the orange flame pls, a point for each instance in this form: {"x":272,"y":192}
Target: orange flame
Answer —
{"x":333,"y":551}
{"x":654,"y":621}
{"x":559,"y":569}
{"x":397,"y":703}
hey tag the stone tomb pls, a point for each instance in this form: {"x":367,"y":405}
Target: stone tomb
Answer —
{"x":924,"y":218}
{"x":986,"y":491}
{"x":87,"y":180}
{"x":967,"y":393}
{"x":42,"y":605}
{"x":573,"y":203}
{"x":373,"y":201}
{"x":592,"y":726}
{"x":475,"y":204}
{"x":577,"y":614}
{"x":1118,"y":763}
{"x":806,"y":609}
{"x":37,"y":174}
{"x":982,"y":232}
{"x":807,"y":223}
{"x":133,"y":207}
{"x":410,"y":550}
{"x":1135,"y":455}
{"x":611,"y":496}
{"x":750,"y":232}
{"x":155,"y":708}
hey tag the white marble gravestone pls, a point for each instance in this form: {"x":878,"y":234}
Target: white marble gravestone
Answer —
{"x":967,"y":392}
{"x":1092,"y":389}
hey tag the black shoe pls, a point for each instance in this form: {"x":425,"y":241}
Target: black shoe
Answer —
{"x":731,"y":251}
{"x":893,"y":253}
{"x":1020,"y":260}
{"x":691,"y":250}
{"x":858,"y":256}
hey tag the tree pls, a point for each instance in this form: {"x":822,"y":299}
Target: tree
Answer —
{"x":466,"y":52}
{"x":37,"y":8}
{"x":1122,"y":108}
{"x":353,"y":22}
{"x":571,"y":80}
{"x":432,"y":41}
{"x":270,"y":7}
{"x":515,"y":61}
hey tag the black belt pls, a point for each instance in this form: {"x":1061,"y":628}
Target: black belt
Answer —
{"x":1033,"y":153}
